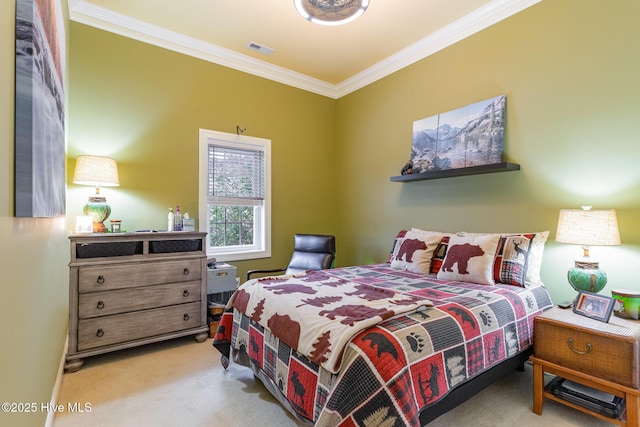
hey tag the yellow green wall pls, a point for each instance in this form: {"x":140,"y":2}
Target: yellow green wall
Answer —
{"x":143,"y":106}
{"x":568,"y":67}
{"x":570,"y":71}
{"x":34,"y":253}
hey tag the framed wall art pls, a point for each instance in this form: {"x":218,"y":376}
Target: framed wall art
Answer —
{"x":465,"y":137}
{"x":40,"y":184}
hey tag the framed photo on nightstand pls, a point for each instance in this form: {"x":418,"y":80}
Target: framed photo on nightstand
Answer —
{"x":594,"y":305}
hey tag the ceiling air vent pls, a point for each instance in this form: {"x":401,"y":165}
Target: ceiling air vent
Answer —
{"x":260,"y":48}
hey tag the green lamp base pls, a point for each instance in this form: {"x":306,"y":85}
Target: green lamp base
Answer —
{"x":99,"y":210}
{"x":586,"y":276}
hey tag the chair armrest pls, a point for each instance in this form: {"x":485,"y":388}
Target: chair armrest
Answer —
{"x":276,"y":270}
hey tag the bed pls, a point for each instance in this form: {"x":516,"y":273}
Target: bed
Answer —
{"x":397,"y":343}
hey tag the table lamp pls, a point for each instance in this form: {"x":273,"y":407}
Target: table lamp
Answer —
{"x":587,"y":227}
{"x":99,"y":172}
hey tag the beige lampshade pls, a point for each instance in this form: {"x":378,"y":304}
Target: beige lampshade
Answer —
{"x":97,"y":171}
{"x":588,"y":227}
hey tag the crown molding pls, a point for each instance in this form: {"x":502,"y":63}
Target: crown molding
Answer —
{"x":485,"y":16}
{"x":97,"y":17}
{"x":468,"y":25}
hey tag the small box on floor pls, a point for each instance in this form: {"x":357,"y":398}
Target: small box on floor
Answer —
{"x":221,"y":277}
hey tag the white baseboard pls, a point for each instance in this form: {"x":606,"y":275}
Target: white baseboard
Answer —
{"x":56,"y":387}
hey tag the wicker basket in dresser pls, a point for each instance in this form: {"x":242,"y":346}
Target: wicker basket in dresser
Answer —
{"x":129,"y":289}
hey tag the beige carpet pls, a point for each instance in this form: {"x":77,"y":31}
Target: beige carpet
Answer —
{"x":182,"y":383}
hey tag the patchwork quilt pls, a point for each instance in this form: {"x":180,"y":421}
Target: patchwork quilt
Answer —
{"x":330,"y":309}
{"x":388,"y":370}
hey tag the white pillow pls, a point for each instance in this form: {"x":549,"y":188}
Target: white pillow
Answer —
{"x":470,"y":259}
{"x":414,"y":251}
{"x":535,"y":257}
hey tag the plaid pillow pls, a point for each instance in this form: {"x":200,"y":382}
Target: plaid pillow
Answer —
{"x":512,"y":258}
{"x":438,"y":255}
{"x":518,"y":258}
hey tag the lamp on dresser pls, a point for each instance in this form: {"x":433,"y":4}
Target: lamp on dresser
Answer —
{"x":587,"y":227}
{"x":97,"y":171}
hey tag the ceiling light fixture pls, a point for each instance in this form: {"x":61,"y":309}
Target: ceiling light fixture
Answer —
{"x":331,"y":12}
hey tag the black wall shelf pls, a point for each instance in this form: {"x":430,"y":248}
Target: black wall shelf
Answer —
{"x":447,"y":173}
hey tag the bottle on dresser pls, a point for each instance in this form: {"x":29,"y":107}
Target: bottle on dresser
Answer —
{"x":170,"y":220}
{"x":177,"y":225}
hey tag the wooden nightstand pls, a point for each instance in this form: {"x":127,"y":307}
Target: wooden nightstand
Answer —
{"x":599,"y":355}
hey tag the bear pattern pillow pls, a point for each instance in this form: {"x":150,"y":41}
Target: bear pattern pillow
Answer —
{"x":441,"y":249}
{"x":396,"y":244}
{"x":524,"y":252}
{"x":413,"y":251}
{"x":470,"y":259}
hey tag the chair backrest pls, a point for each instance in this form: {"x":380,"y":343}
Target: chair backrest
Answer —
{"x":312,"y":252}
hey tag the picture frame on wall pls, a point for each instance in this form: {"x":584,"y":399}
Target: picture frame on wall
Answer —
{"x":40,"y":173}
{"x":593,"y":305}
{"x":465,"y":137}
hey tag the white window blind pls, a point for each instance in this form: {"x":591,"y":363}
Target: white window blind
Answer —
{"x":236,"y":175}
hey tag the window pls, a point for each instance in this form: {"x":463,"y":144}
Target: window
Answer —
{"x":235,"y":195}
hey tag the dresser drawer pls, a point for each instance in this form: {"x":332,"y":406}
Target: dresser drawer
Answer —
{"x":101,"y":278}
{"x":602,"y":350}
{"x":96,"y":304}
{"x":107,"y":330}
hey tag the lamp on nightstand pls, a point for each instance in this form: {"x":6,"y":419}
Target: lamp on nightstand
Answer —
{"x":99,"y":172}
{"x":587,"y":227}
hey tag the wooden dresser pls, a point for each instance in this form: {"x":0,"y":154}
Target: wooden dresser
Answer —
{"x":129,"y":289}
{"x":603,"y":356}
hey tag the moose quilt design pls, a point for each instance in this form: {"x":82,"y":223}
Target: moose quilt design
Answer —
{"x":388,"y":371}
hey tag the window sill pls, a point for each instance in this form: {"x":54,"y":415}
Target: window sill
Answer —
{"x":238,"y":256}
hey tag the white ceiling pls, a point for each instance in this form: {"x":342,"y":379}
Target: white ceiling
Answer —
{"x":331,"y":61}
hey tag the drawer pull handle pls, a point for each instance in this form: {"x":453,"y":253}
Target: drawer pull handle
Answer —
{"x":100,"y":280}
{"x":100,"y":332}
{"x":589,"y":347}
{"x":100,"y":305}
{"x":185,"y":293}
{"x":185,"y":317}
{"x":185,"y":271}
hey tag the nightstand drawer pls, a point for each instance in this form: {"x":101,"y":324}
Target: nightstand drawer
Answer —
{"x":600,"y":349}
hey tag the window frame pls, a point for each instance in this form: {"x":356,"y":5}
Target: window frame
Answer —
{"x":262,"y":225}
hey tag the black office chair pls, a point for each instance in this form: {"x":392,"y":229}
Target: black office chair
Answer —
{"x":310,"y":252}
